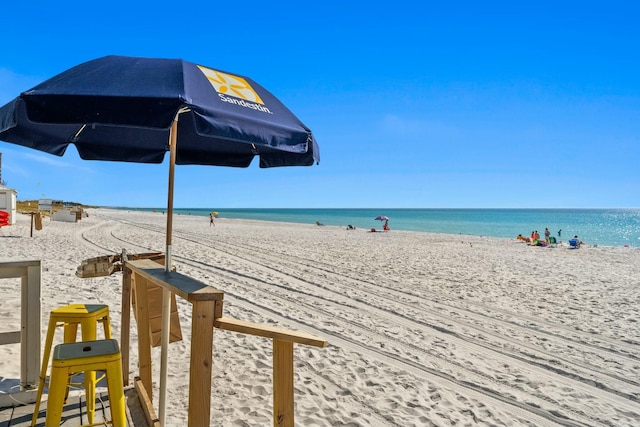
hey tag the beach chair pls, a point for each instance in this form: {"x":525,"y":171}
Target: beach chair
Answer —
{"x":574,"y":244}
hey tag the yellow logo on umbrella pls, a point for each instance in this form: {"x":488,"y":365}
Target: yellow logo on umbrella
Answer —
{"x":230,"y":85}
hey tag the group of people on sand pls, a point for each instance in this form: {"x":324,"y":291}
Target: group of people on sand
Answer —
{"x":535,"y":237}
{"x":535,"y":240}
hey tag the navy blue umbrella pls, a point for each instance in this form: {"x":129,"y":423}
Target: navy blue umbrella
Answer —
{"x":126,"y":109}
{"x":137,"y":109}
{"x":122,"y":108}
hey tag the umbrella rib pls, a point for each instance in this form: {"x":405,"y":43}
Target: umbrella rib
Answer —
{"x":75,"y":137}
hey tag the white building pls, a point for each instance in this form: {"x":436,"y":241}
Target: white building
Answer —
{"x":8,"y":203}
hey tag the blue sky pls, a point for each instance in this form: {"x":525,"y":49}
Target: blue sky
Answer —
{"x":414,"y":103}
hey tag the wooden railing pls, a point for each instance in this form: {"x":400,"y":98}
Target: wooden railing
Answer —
{"x":29,"y":334}
{"x":207,"y":304}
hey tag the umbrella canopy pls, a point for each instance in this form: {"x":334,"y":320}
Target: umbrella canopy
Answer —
{"x":122,"y":108}
{"x":382,"y":218}
{"x":137,"y":109}
{"x":126,"y":109}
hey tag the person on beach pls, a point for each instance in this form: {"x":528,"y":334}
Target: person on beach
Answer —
{"x":386,"y":225}
{"x":547,"y":233}
{"x":574,"y":243}
{"x":211,"y":220}
{"x":559,"y":232}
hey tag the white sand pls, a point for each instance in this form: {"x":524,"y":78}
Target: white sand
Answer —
{"x":423,"y":329}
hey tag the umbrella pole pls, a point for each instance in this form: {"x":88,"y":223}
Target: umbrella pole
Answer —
{"x":173,"y":136}
{"x":166,"y":294}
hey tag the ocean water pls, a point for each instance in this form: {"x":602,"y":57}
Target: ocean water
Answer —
{"x":608,"y":227}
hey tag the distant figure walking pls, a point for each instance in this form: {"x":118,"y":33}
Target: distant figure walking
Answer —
{"x":547,"y":233}
{"x":211,"y":220}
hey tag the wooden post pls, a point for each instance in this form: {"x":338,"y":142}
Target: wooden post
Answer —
{"x":283,"y":341}
{"x":207,"y":314}
{"x":144,"y":339}
{"x":126,"y":320}
{"x":283,"y":415}
{"x":30,"y":340}
{"x":28,"y":336}
{"x":207,"y":307}
{"x":201,"y":362}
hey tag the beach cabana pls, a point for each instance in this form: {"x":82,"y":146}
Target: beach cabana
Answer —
{"x":8,"y":203}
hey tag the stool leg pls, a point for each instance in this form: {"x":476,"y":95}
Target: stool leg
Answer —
{"x":89,"y":334}
{"x":43,"y":371}
{"x":57,"y":389}
{"x":116,"y":394}
{"x":70,"y":332}
{"x":106,"y":323}
{"x":70,"y":335}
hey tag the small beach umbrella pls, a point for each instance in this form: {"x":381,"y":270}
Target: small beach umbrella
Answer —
{"x":382,"y":218}
{"x":137,"y":109}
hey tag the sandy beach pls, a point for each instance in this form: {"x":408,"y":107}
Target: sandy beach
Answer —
{"x":423,"y":329}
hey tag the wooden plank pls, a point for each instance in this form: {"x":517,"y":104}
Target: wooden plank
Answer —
{"x":155,"y":296}
{"x":144,"y":339}
{"x":201,"y":363}
{"x":186,"y":287}
{"x":31,"y":318}
{"x":283,"y":415}
{"x":12,"y":337}
{"x":20,"y":264}
{"x":11,"y":272}
{"x":106,"y":265}
{"x":146,"y":404}
{"x":235,"y":325}
{"x":125,"y":325}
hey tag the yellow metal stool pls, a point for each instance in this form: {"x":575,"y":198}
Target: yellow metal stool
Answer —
{"x":86,"y":356}
{"x":69,"y":317}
